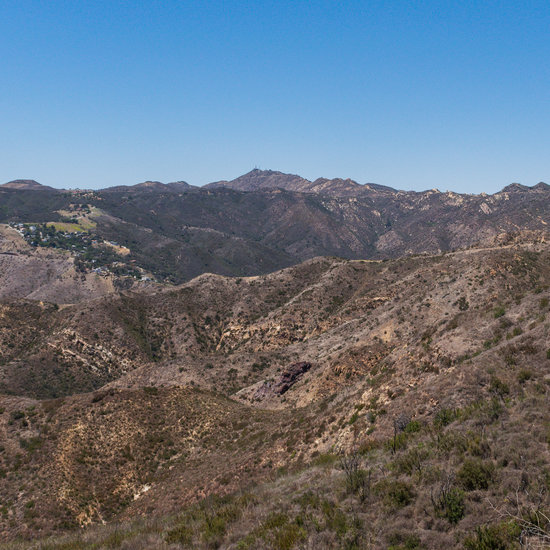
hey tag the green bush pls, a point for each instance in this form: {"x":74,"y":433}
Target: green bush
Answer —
{"x":287,"y":536}
{"x":412,"y":462}
{"x":325,"y":459}
{"x":498,"y":387}
{"x":182,"y":534}
{"x":403,"y":541}
{"x":275,"y":520}
{"x":444,"y":417}
{"x":396,"y":443}
{"x":413,"y":426}
{"x":499,"y":312}
{"x":448,"y":501}
{"x":31,"y":444}
{"x":502,"y":536}
{"x":356,"y":481}
{"x":475,"y":474}
{"x":214,"y":528}
{"x":395,"y":494}
{"x":524,"y":375}
{"x":17,"y":415}
{"x":494,"y":408}
{"x":454,"y":505}
{"x":335,"y":519}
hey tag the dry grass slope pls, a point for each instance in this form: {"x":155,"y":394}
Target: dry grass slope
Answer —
{"x":421,"y":422}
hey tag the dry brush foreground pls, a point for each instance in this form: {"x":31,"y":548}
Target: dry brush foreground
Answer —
{"x":334,"y":404}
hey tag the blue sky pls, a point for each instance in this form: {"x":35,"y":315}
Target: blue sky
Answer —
{"x":415,"y":95}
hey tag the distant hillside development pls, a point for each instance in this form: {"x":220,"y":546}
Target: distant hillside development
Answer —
{"x":271,"y":368}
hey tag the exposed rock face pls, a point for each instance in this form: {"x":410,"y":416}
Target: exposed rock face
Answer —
{"x":290,"y":376}
{"x":287,"y":379}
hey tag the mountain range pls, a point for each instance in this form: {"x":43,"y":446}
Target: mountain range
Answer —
{"x":274,"y":363}
{"x":261,"y":180}
{"x":268,"y":220}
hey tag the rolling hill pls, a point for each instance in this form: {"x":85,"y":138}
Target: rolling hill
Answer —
{"x":300,"y":369}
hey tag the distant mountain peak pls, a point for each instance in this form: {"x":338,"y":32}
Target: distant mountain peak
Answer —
{"x":179,"y":185}
{"x":258,"y":180}
{"x":515,"y":187}
{"x":24,"y":185}
{"x":520,"y":188}
{"x":149,"y":183}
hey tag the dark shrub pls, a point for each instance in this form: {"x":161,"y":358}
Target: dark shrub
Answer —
{"x":396,"y":494}
{"x":444,"y":417}
{"x":475,"y":474}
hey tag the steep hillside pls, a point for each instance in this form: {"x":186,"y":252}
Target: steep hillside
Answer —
{"x":90,"y":458}
{"x":261,"y":230}
{"x":326,"y":312}
{"x":406,"y":400}
{"x":44,"y":274}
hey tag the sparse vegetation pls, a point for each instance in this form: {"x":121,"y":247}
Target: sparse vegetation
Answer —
{"x":417,"y":423}
{"x":499,"y":312}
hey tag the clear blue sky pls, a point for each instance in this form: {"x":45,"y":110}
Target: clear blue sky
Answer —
{"x":415,"y":95}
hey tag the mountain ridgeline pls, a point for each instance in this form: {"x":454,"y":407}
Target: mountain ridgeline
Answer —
{"x":267,"y":220}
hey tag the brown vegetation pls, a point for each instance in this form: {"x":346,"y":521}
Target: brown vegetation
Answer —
{"x":333,"y":404}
